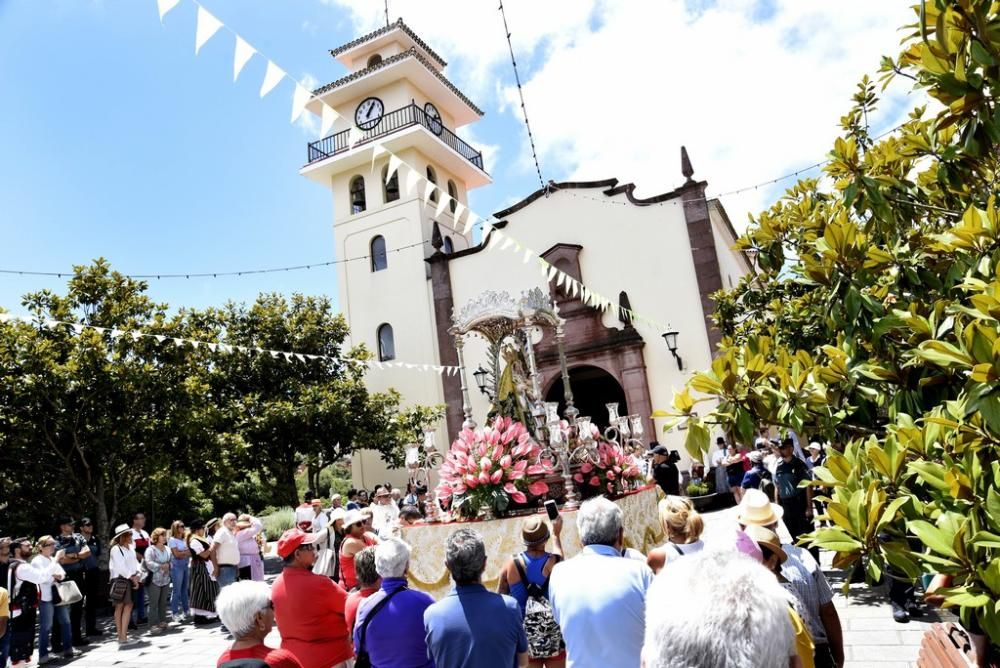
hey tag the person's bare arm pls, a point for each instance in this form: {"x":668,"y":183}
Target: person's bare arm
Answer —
{"x":834,"y":632}
{"x":3,"y":626}
{"x":557,"y":547}
{"x":503,"y":587}
{"x":656,"y":559}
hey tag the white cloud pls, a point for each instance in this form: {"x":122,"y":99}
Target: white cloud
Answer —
{"x":753,"y":88}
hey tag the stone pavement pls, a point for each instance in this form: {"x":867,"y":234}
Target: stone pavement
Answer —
{"x":871,"y":637}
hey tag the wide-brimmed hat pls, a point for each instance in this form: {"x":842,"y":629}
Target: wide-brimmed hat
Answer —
{"x":534,"y":530}
{"x":353,"y":517}
{"x":383,"y":491}
{"x":121,"y":529}
{"x":336,"y":514}
{"x":766,"y":538}
{"x":243,"y":521}
{"x":756,"y":508}
{"x":211,"y":523}
{"x":293,"y":539}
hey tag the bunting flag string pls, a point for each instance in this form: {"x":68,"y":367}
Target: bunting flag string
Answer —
{"x":180,"y":342}
{"x":241,"y":56}
{"x":496,"y":240}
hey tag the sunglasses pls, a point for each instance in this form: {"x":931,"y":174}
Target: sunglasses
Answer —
{"x":308,"y":546}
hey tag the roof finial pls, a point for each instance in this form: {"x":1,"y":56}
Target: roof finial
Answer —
{"x":686,"y":169}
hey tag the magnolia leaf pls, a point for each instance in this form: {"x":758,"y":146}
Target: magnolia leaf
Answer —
{"x":932,"y":537}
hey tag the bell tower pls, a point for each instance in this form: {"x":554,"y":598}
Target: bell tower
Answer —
{"x":395,"y":94}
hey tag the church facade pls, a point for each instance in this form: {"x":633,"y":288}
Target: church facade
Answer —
{"x":406,"y":265}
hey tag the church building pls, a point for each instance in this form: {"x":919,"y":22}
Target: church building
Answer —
{"x":406,"y":265}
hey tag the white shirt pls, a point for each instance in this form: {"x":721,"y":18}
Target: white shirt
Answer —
{"x":123,"y":563}
{"x":51,"y":568}
{"x":228,"y":552}
{"x":385,"y":518}
{"x":320,"y":521}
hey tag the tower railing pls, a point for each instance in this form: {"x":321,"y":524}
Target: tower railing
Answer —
{"x":391,"y":122}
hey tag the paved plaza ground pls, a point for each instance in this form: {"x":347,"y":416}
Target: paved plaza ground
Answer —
{"x":871,"y":636}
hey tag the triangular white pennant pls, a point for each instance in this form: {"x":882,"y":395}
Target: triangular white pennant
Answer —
{"x":5,"y":317}
{"x":573,"y":287}
{"x":412,"y":181}
{"x":302,"y":358}
{"x":442,"y":203}
{"x":165,"y":6}
{"x":51,"y":324}
{"x":429,"y":189}
{"x":100,"y":330}
{"x":212,"y":346}
{"x":207,"y":26}
{"x":330,"y":117}
{"x":241,"y":56}
{"x":272,"y":77}
{"x":527,"y":255}
{"x":427,"y":367}
{"x":394,"y":163}
{"x":160,"y":338}
{"x":506,"y":244}
{"x":377,"y":152}
{"x":457,"y":215}
{"x":194,"y":344}
{"x":543,"y":267}
{"x":299,"y":100}
{"x":470,"y":221}
{"x":274,"y":353}
{"x":410,"y":366}
{"x":77,"y":329}
{"x":560,"y":279}
{"x":550,"y":274}
{"x":115,"y":333}
{"x":179,"y":343}
{"x":355,"y":135}
{"x":136,"y":336}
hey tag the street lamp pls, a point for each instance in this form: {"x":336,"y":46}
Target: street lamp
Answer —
{"x":671,"y":339}
{"x":481,"y":375}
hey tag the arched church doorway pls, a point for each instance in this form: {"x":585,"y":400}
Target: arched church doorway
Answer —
{"x":593,"y":388}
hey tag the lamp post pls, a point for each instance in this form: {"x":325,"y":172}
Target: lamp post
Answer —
{"x":482,"y":381}
{"x":421,"y":459}
{"x":671,"y":339}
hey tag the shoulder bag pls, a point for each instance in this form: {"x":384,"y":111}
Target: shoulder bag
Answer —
{"x":68,"y":593}
{"x":363,"y":660}
{"x":118,"y":588}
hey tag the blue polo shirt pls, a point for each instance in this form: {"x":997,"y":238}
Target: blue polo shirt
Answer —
{"x":395,"y":635}
{"x":474,"y":628}
{"x":599,"y":601}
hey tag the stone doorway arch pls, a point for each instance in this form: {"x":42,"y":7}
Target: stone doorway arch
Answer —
{"x":593,"y":389}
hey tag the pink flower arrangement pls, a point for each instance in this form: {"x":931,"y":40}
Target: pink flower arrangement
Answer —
{"x":492,"y":467}
{"x":613,"y":473}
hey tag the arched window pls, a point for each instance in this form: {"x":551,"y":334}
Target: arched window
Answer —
{"x":386,"y":343}
{"x":453,"y":194}
{"x":449,"y":247}
{"x":376,"y":59}
{"x":390,"y":188}
{"x":357,"y":194}
{"x":433,"y":178}
{"x":378,"y":256}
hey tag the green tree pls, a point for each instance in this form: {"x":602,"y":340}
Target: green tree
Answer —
{"x":89,"y":419}
{"x":874,"y":319}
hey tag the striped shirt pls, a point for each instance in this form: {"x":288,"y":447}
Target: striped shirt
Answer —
{"x":807,"y":582}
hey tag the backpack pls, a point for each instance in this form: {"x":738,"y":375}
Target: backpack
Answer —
{"x":544,"y":638}
{"x":23,"y":594}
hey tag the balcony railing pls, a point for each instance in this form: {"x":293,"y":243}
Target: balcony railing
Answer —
{"x":393,"y":122}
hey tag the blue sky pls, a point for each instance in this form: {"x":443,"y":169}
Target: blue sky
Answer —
{"x":117,"y":141}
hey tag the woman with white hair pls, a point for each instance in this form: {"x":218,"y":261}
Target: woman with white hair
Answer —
{"x":246,"y":610}
{"x":724,"y":593}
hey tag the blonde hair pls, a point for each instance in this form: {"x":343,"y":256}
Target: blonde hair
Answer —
{"x":679,"y":519}
{"x":157,"y":532}
{"x":174,"y":526}
{"x":42,"y":542}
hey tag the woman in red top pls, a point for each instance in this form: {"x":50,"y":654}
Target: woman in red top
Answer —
{"x":246,"y":610}
{"x":309,"y":608}
{"x":355,"y":540}
{"x":368,"y":583}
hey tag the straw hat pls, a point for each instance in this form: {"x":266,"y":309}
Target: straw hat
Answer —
{"x":121,"y":529}
{"x":534,"y":530}
{"x":353,"y":517}
{"x":768,"y":539}
{"x":756,"y":508}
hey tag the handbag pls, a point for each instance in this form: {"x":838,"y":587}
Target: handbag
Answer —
{"x":68,"y":593}
{"x":118,"y":589}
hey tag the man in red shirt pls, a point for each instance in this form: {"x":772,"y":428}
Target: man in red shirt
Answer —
{"x":309,"y":608}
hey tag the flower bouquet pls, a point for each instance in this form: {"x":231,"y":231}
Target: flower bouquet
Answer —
{"x":488,"y":469}
{"x":613,"y":472}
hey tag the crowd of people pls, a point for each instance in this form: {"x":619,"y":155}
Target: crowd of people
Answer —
{"x":342,"y":599}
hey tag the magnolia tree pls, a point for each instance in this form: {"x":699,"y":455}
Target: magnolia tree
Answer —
{"x":873,"y":319}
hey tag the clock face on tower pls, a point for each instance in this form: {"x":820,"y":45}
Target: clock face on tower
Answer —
{"x":369,"y":113}
{"x":433,"y":118}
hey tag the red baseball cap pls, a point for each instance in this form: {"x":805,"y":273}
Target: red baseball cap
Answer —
{"x":292,"y":539}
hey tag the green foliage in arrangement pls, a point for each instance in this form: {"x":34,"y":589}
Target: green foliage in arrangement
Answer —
{"x":873,"y":318}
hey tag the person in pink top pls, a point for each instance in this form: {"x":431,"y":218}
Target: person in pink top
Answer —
{"x":309,"y":608}
{"x":251,"y":565}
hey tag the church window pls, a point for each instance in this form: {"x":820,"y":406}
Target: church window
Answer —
{"x":432,"y":177}
{"x":449,"y":247}
{"x":390,"y":188}
{"x":453,"y":194}
{"x":357,"y":194}
{"x":376,"y":59}
{"x":378,"y":254}
{"x":386,"y":343}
